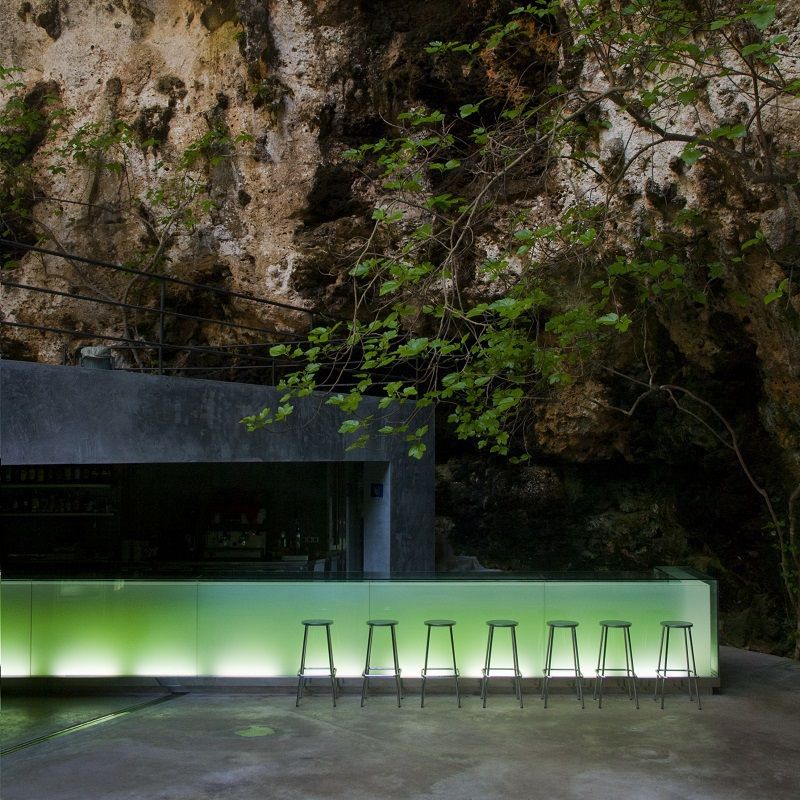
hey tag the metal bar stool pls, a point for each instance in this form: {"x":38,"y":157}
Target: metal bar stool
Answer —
{"x":602,"y":669}
{"x":383,"y":672}
{"x":548,"y":662}
{"x":663,"y":650}
{"x":487,"y":665}
{"x":302,"y":674}
{"x":445,"y":672}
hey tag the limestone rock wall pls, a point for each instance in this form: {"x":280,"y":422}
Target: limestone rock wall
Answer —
{"x":303,"y":80}
{"x":307,"y":79}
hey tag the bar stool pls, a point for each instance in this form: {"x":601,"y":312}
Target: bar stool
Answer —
{"x":383,"y":672}
{"x":663,"y":649}
{"x":302,"y":674}
{"x":600,"y":672}
{"x":570,"y":625}
{"x":487,"y":666}
{"x":447,"y":673}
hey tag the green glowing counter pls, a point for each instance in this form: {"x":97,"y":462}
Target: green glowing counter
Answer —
{"x":227,"y":628}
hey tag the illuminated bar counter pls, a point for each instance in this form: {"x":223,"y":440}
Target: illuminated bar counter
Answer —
{"x":250,"y":628}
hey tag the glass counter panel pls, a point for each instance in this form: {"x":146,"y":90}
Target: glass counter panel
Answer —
{"x":252,"y":628}
{"x":644,"y":605}
{"x":107,"y":628}
{"x":470,"y":604}
{"x":15,"y":629}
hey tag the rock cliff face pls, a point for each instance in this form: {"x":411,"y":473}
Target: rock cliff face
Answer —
{"x":307,"y":79}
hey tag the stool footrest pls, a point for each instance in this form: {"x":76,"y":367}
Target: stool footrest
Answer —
{"x":689,"y":673}
{"x":603,"y":670}
{"x":571,"y":673}
{"x":318,"y":672}
{"x":390,"y":672}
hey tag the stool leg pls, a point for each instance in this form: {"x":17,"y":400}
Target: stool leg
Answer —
{"x":330,"y":664}
{"x":578,"y":676}
{"x":688,"y":669}
{"x":694,"y":672}
{"x":548,"y":661}
{"x":487,"y":665}
{"x":517,"y":683}
{"x":628,"y":661}
{"x":658,"y":668}
{"x":455,"y":668}
{"x":597,"y":669}
{"x":425,"y":668}
{"x":629,"y":665}
{"x":300,"y":677}
{"x":601,"y":667}
{"x":397,"y":678}
{"x":666,"y":667}
{"x":366,"y":668}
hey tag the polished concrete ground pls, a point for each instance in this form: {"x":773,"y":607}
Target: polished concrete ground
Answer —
{"x":744,"y":744}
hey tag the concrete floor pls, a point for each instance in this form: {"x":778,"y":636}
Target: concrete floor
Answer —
{"x":745,"y":744}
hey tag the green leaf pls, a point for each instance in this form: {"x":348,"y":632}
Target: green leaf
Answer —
{"x":413,"y":347}
{"x":756,"y":47}
{"x":763,"y":16}
{"x":608,"y":319}
{"x":729,"y":132}
{"x":756,"y":240}
{"x":388,"y":286}
{"x":417,"y":450}
{"x":779,"y":292}
{"x":283,"y":411}
{"x":349,"y":426}
{"x":691,"y":153}
{"x":361,"y":269}
{"x":278,"y":350}
{"x":715,"y":270}
{"x":624,"y":323}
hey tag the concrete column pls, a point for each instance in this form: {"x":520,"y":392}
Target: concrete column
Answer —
{"x":377,"y":516}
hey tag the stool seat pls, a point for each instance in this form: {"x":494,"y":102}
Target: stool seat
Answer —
{"x":511,"y":625}
{"x":677,"y":623}
{"x":563,"y":623}
{"x":627,"y":672}
{"x":443,"y":672}
{"x":382,"y":623}
{"x":305,"y":673}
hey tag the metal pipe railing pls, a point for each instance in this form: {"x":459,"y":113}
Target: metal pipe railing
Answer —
{"x":155,"y":276}
{"x":340,"y":375}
